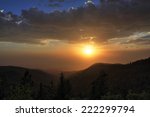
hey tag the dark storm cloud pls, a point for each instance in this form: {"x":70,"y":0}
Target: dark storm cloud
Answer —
{"x":107,"y":21}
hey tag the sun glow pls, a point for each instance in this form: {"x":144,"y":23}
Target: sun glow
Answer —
{"x":88,"y":50}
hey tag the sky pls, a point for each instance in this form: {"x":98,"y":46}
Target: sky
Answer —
{"x":16,"y":6}
{"x":73,"y":34}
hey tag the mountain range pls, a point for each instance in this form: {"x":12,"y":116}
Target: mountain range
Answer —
{"x":122,"y":80}
{"x":132,"y":76}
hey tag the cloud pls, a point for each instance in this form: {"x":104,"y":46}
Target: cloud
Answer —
{"x":140,"y":41}
{"x":103,"y":22}
{"x":141,"y":38}
{"x":138,"y":38}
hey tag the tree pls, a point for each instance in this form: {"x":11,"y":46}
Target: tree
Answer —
{"x":26,"y":80}
{"x":64,"y":88}
{"x":68,"y":89}
{"x":93,"y":90}
{"x":61,"y":88}
{"x":24,"y":89}
{"x":49,"y":91}
{"x":99,"y":86}
{"x":40,"y":92}
{"x":4,"y":86}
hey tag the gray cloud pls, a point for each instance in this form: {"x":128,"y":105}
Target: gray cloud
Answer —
{"x":143,"y":38}
{"x":140,"y":41}
{"x":104,"y":22}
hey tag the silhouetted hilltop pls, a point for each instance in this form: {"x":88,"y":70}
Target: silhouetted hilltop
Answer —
{"x":23,"y":83}
{"x":140,"y":63}
{"x":14,"y":74}
{"x":120,"y":78}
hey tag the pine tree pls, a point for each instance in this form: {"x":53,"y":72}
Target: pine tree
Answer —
{"x":40,"y":92}
{"x":93,"y":90}
{"x":24,"y":89}
{"x":68,"y":89}
{"x":50,"y":91}
{"x":3,"y":86}
{"x":61,"y":88}
{"x":99,"y":87}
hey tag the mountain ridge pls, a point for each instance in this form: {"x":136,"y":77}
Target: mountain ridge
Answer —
{"x":110,"y":81}
{"x":115,"y":73}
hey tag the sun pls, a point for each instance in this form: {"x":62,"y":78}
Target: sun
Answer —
{"x":88,"y":50}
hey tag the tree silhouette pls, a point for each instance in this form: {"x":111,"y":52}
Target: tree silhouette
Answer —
{"x":40,"y":92}
{"x":99,"y":87}
{"x":64,"y":88}
{"x":22,"y":90}
{"x":68,"y":89}
{"x":26,"y":80}
{"x":93,"y":90}
{"x":61,"y":88}
{"x":3,"y":86}
{"x":51,"y":91}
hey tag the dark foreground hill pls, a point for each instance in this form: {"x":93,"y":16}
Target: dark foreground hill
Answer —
{"x":14,"y":74}
{"x":99,"y":81}
{"x":24,"y":83}
{"x":113,"y":81}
